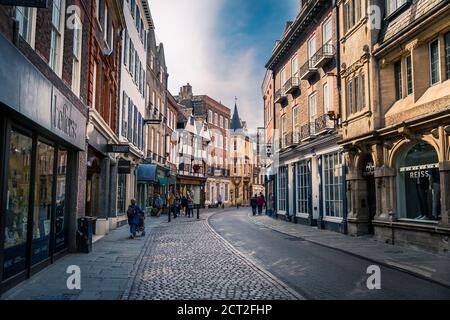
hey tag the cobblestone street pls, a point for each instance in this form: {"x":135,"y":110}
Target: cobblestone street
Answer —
{"x":186,"y":259}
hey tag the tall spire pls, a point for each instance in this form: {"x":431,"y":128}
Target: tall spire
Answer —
{"x":236,"y":121}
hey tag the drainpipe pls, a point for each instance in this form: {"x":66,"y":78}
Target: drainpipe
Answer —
{"x":274,"y":120}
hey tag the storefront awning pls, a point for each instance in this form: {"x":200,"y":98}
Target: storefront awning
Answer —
{"x":146,"y":173}
{"x":162,"y":181}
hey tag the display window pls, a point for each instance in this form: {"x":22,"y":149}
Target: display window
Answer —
{"x":418,"y":183}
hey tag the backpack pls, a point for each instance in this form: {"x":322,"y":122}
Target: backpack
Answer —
{"x":131,"y":212}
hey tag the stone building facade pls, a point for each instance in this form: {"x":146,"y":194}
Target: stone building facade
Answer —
{"x":397,"y":148}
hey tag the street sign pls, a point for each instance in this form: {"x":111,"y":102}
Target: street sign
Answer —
{"x":118,"y":148}
{"x":269,"y":150}
{"x":25,"y":3}
{"x":124,"y":167}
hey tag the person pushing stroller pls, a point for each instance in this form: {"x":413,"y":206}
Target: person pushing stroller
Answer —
{"x":136,"y":219}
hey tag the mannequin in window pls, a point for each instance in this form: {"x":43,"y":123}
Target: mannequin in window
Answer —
{"x":422,"y":188}
{"x":436,"y":194}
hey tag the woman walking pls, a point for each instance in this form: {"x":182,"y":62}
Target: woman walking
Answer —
{"x":133,"y":213}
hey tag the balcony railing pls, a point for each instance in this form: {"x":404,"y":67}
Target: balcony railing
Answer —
{"x":308,"y":69}
{"x":323,"y":55}
{"x":324,"y":123}
{"x":289,"y":139}
{"x":279,"y":96}
{"x":291,"y":85}
{"x":307,"y":131}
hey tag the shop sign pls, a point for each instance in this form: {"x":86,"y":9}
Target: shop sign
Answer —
{"x":422,"y":171}
{"x":124,"y":167}
{"x":217,"y":172}
{"x":269,"y":150}
{"x":369,"y":169}
{"x":25,"y":3}
{"x":118,"y":148}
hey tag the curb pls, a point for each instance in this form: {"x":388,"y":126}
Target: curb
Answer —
{"x":252,"y":263}
{"x":382,"y":263}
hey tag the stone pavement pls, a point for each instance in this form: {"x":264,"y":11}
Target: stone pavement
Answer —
{"x":187,"y":260}
{"x":105,"y":272}
{"x":433,"y":267}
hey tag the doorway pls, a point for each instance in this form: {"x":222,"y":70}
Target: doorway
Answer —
{"x":369,"y":175}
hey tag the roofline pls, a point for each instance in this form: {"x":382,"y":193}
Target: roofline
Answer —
{"x":148,"y":14}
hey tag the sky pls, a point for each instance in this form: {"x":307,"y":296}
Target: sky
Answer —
{"x":220,"y":47}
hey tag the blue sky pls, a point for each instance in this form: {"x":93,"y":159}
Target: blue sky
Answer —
{"x":221,"y":46}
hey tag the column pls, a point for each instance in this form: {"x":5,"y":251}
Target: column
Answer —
{"x":104,"y":188}
{"x":112,"y":212}
{"x":444,"y":168}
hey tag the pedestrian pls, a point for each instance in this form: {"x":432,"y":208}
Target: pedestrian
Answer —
{"x":260,"y":201}
{"x":190,"y":205}
{"x":158,"y":204}
{"x":133,"y":213}
{"x":253,"y":204}
{"x":184,"y":204}
{"x":171,"y":203}
{"x":219,"y":201}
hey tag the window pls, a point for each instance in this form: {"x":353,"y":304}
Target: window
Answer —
{"x":135,"y":126}
{"x":124,"y":115}
{"x":409,"y":81}
{"x":326,"y":98}
{"x":283,"y":130}
{"x":311,"y":49}
{"x":394,"y":5}
{"x":327,"y":32}
{"x":125,"y":48}
{"x":76,"y":63}
{"x":105,"y":23}
{"x":434,"y":62}
{"x":132,"y":7}
{"x":312,"y":107}
{"x":226,"y":124}
{"x":294,"y":67}
{"x":447,"y":54}
{"x":282,"y":189}
{"x":352,"y":13}
{"x":398,"y":80}
{"x":235,"y":145}
{"x":235,"y":167}
{"x":355,"y":94}
{"x":282,"y":77}
{"x":56,"y":34}
{"x":24,"y":16}
{"x":131,"y":59}
{"x":97,"y":10}
{"x":303,"y":187}
{"x":332,"y":188}
{"x":136,"y":67}
{"x":296,"y":124}
{"x":130,"y":120}
{"x":418,"y":183}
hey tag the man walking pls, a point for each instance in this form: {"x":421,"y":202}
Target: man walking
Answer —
{"x":133,"y":214}
{"x":260,"y":201}
{"x":253,"y":203}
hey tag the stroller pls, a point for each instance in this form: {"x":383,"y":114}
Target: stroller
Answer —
{"x":141,"y":226}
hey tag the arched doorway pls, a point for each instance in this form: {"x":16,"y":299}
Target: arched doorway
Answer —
{"x":368,"y":172}
{"x":418,"y":183}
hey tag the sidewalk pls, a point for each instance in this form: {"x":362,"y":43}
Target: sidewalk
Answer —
{"x":105,"y":272}
{"x":434,"y":267}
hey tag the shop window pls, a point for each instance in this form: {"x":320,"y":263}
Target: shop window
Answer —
{"x":282,"y":189}
{"x":303,"y":186}
{"x":332,"y":187}
{"x":17,"y":203}
{"x":42,"y":202}
{"x":418,"y":183}
{"x":61,"y":221}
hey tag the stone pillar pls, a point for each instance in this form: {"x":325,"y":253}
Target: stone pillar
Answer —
{"x":75,"y":193}
{"x":113,"y":190}
{"x":385,"y":193}
{"x":104,"y":188}
{"x":444,"y":168}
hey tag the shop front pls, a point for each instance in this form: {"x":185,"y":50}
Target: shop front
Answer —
{"x":195,"y":186}
{"x":42,"y":135}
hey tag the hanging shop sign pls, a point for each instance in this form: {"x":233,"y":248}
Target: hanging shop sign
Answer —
{"x":369,"y":169}
{"x":124,"y":166}
{"x":118,"y":148}
{"x":25,"y":3}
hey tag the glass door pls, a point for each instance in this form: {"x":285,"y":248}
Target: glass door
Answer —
{"x":17,"y":204}
{"x":60,"y":197}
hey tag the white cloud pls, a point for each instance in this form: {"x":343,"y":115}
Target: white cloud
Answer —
{"x":196,"y":53}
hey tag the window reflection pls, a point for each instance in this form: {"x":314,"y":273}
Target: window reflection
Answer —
{"x":43,"y":202}
{"x":17,"y":201}
{"x":60,"y":223}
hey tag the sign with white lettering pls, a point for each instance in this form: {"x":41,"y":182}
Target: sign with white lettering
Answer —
{"x":421,"y":167}
{"x":118,"y":148}
{"x":124,"y":167}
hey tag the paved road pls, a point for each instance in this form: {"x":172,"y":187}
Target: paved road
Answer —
{"x":186,"y":260}
{"x":314,"y":271}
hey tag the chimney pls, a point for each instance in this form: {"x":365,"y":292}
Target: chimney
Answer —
{"x":186,"y":92}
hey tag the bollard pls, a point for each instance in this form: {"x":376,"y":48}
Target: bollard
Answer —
{"x":198,"y":212}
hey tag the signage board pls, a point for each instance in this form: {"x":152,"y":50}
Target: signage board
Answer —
{"x":124,"y":167}
{"x":118,"y":148}
{"x":269,"y":150}
{"x":25,"y":3}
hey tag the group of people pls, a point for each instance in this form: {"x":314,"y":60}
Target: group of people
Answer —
{"x":257,"y":202}
{"x":181,"y":204}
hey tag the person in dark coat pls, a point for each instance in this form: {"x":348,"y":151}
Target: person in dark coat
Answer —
{"x":133,"y":214}
{"x":253,"y":204}
{"x":260,"y":202}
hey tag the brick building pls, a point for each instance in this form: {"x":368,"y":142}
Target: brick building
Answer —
{"x":103,"y":100}
{"x":309,"y":184}
{"x":43,"y":97}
